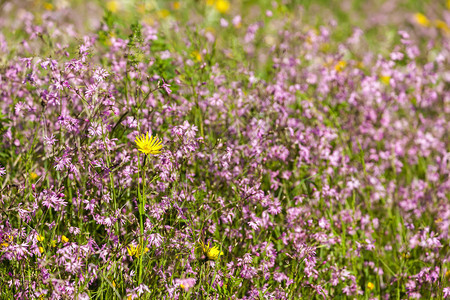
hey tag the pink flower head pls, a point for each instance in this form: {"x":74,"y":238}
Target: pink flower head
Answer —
{"x":165,"y":86}
{"x":185,"y":283}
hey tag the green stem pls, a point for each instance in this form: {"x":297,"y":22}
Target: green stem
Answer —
{"x":141,"y":221}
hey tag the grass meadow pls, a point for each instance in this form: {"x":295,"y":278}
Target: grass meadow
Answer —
{"x":224,"y":149}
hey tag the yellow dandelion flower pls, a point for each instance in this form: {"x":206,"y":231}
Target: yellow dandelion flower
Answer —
{"x":340,"y":65}
{"x":41,"y":249}
{"x":370,"y":286}
{"x":48,"y":6}
{"x":149,"y":144}
{"x":196,"y":55}
{"x":40,"y":238}
{"x":385,"y":79}
{"x":6,"y":241}
{"x":163,"y":13}
{"x":112,"y":6}
{"x":442,"y":26}
{"x":64,"y":239}
{"x":222,"y":6}
{"x":422,"y":20}
{"x":136,"y":250}
{"x":132,"y":249}
{"x":211,"y":253}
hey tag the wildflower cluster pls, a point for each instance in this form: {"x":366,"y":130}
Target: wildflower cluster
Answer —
{"x":310,"y":156}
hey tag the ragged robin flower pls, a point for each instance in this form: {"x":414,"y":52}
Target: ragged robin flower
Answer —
{"x":149,"y":144}
{"x":211,"y":253}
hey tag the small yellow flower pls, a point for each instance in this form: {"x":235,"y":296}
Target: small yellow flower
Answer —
{"x":196,"y":55}
{"x":212,"y":253}
{"x":48,"y":6}
{"x":41,"y":249}
{"x":222,"y":6}
{"x":149,"y":145}
{"x":422,"y":20}
{"x":176,"y":5}
{"x":370,"y":286}
{"x":210,"y":2}
{"x":182,"y":286}
{"x":163,"y":13}
{"x":136,"y":250}
{"x":385,"y":79}
{"x":340,"y":65}
{"x":442,"y":26}
{"x":33,"y":175}
{"x":6,"y":241}
{"x":40,"y":238}
{"x":132,"y":249}
{"x":64,"y":239}
{"x":112,"y":6}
